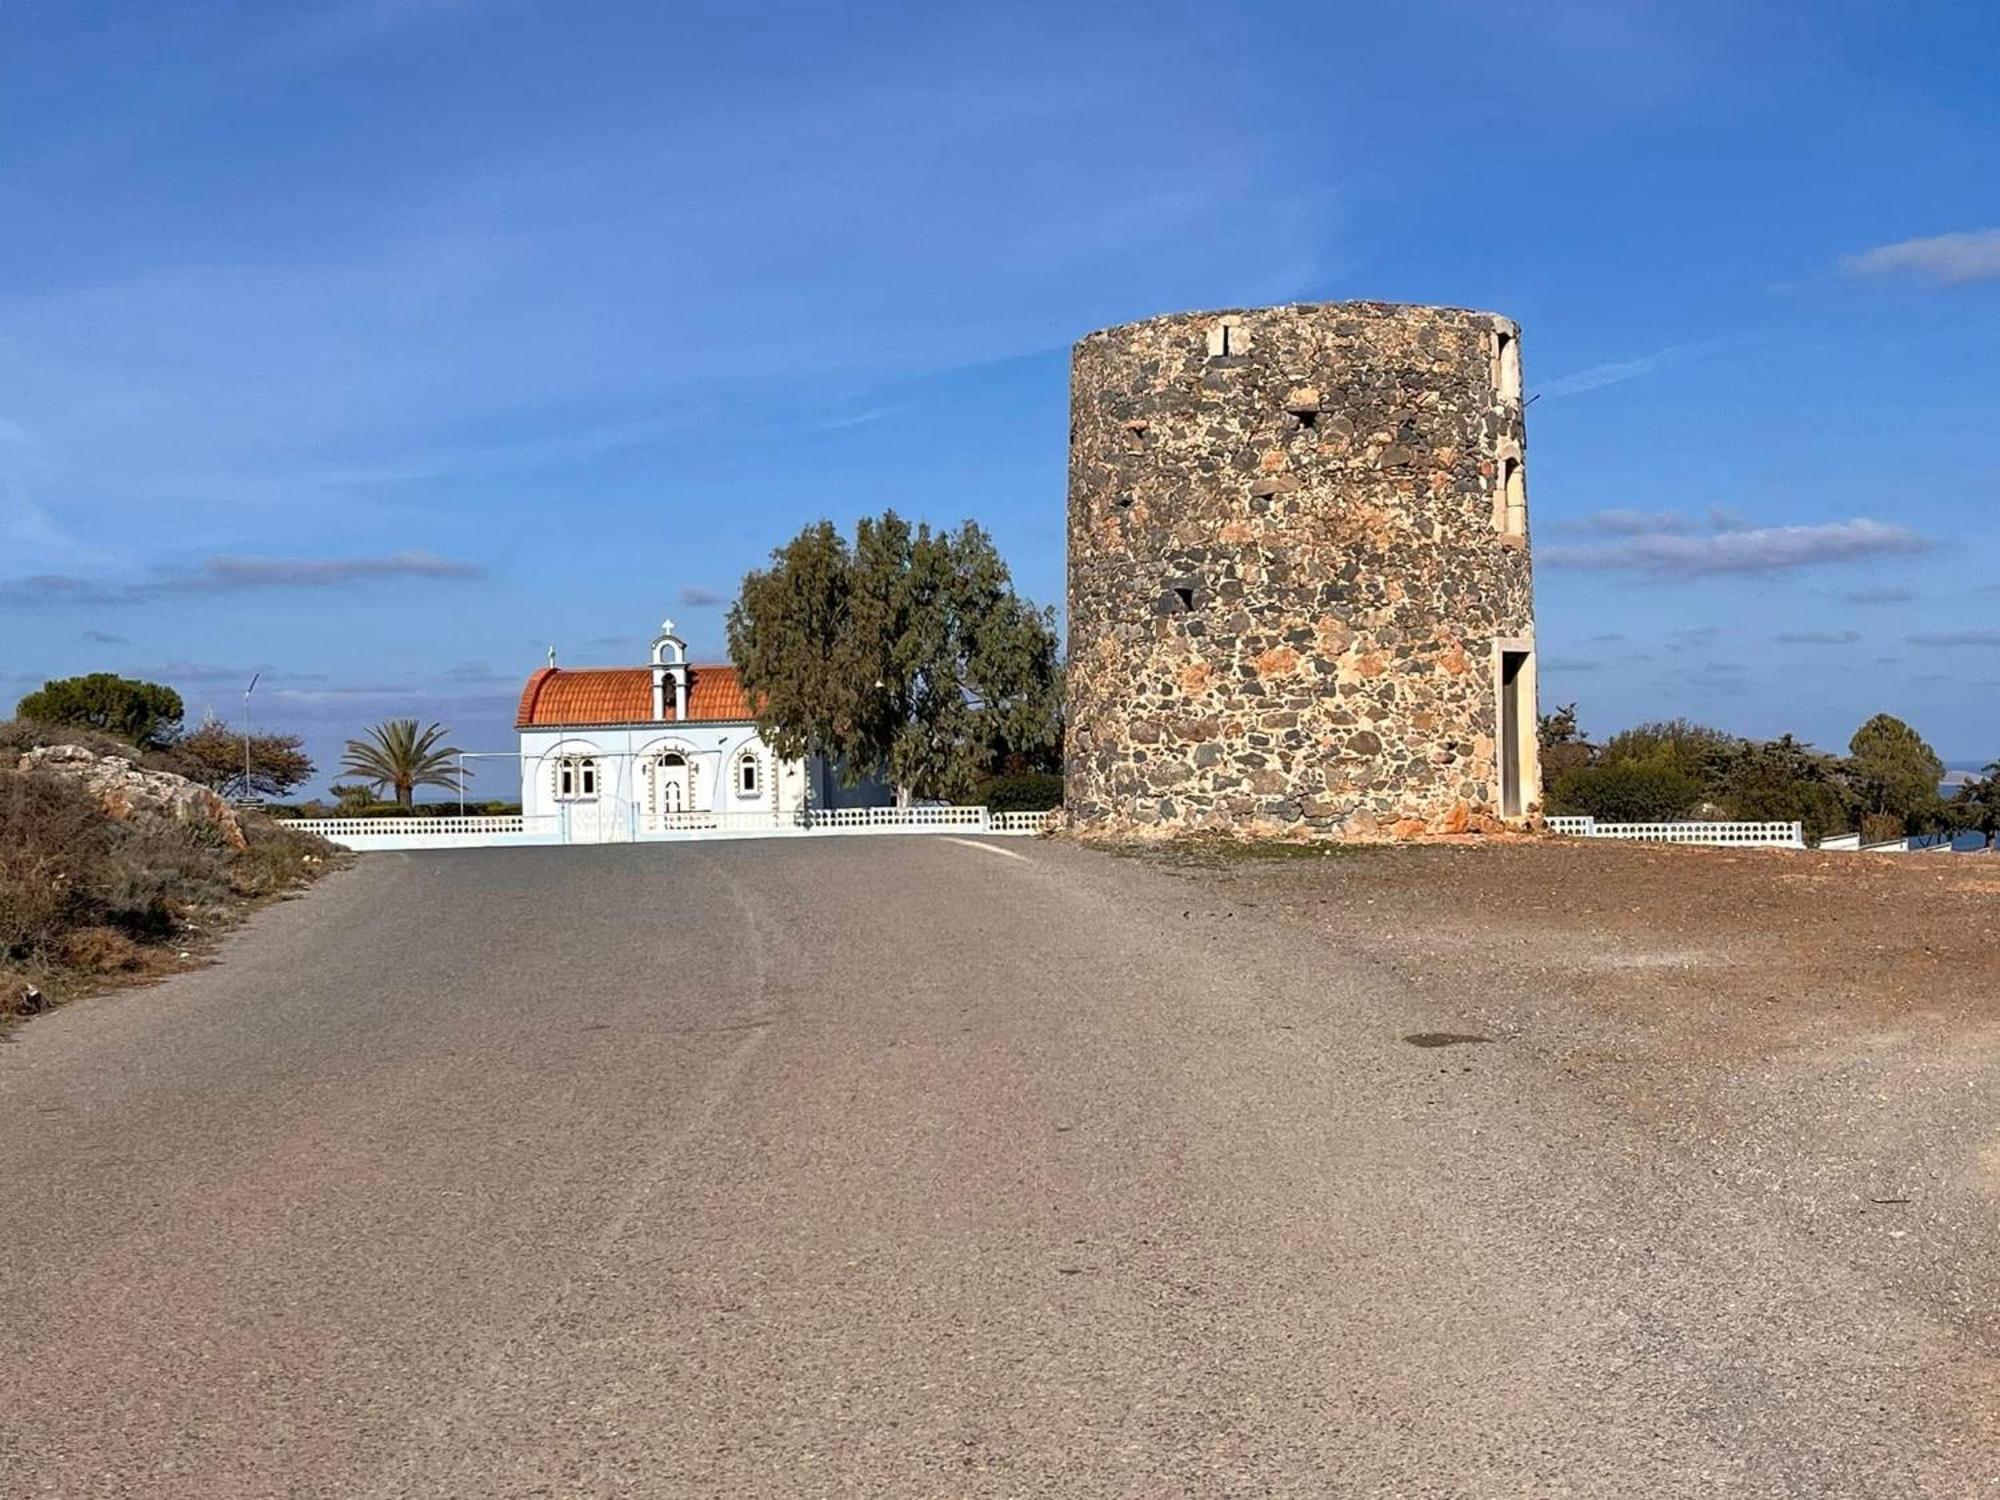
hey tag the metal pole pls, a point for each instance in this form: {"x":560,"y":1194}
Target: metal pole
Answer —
{"x":461,"y":783}
{"x":246,"y":732}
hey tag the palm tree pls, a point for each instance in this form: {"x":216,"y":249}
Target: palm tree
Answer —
{"x":395,"y":755}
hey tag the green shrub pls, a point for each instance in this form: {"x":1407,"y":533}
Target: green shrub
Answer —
{"x":1657,"y":790}
{"x":1029,"y":791}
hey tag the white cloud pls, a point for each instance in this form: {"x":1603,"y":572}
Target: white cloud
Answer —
{"x":1947,"y":259}
{"x":219,"y":575}
{"x":1818,"y":637}
{"x":1669,"y":550}
{"x":1957,"y":638}
{"x":1621,"y":522}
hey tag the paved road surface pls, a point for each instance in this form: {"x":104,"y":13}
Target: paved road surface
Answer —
{"x":889,"y":1167}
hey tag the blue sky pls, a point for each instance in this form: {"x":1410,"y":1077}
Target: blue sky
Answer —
{"x":380,"y":344}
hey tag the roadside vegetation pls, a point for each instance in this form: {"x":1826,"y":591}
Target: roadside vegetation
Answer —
{"x":120,"y":857}
{"x":1887,"y":786}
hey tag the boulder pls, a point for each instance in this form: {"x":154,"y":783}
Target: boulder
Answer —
{"x":128,"y":791}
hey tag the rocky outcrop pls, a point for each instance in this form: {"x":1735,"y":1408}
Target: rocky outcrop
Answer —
{"x":129,"y":792}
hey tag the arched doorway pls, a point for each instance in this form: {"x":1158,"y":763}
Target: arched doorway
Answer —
{"x":670,"y":786}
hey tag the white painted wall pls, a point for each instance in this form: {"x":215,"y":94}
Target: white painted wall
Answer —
{"x":631,"y":793}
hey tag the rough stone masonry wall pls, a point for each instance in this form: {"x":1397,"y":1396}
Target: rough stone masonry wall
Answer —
{"x":1291,"y":558}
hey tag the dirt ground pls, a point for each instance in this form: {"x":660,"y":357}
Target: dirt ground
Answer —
{"x":1817,"y":1034}
{"x":1728,"y":951}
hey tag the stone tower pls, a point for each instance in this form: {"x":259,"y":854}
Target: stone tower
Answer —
{"x":1299,"y":594}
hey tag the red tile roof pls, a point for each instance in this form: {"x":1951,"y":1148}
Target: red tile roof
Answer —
{"x":624,"y":695}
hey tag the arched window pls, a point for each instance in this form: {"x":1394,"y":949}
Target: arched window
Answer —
{"x":576,"y":776}
{"x":747,"y":774}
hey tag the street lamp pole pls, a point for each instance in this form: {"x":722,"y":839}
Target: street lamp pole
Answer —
{"x":246,"y":732}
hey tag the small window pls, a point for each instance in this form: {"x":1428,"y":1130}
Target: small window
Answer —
{"x":1507,"y":374}
{"x":1227,"y":338}
{"x":576,"y":776}
{"x":1512,"y":511}
{"x":746,"y":776}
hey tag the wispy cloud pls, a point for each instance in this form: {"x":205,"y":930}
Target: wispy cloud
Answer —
{"x":1671,"y":549}
{"x":1945,"y":259}
{"x":221,"y":575}
{"x":207,"y":674}
{"x":1618,"y":371}
{"x":694,"y":596}
{"x":1817,"y":637}
{"x":103,"y":638}
{"x":1570,"y":664}
{"x":1889,"y":594}
{"x":855,"y":419}
{"x":1622,"y":522}
{"x":1957,"y":638}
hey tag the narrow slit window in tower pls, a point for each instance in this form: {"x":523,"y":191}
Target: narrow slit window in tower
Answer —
{"x":1508,"y":377}
{"x":1512,"y":511}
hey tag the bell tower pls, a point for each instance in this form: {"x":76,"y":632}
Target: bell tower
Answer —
{"x":670,"y":673}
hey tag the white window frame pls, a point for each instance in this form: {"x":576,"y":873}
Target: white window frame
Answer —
{"x":749,"y":774}
{"x":577,"y":778}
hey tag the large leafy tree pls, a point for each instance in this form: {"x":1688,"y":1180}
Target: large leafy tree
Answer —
{"x":907,"y":655}
{"x":214,"y":756}
{"x":1787,"y":781}
{"x":146,"y":714}
{"x":1977,"y":805}
{"x":395,"y":755}
{"x":1896,"y":773}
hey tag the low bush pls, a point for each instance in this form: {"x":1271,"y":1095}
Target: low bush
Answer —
{"x":1027,"y":791}
{"x":1629,"y":791}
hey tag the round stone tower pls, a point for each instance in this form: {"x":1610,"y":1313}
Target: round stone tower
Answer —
{"x":1299,"y":595}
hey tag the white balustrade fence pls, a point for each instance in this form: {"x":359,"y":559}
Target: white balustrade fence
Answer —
{"x":470,"y":833}
{"x":328,"y":828}
{"x":1739,"y":835}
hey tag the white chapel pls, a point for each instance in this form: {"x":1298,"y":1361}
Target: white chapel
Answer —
{"x":613,"y":752}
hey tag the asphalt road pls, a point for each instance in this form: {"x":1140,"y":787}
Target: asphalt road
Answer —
{"x":892,"y":1167}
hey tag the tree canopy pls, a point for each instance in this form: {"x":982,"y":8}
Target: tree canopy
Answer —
{"x":1898,"y":773}
{"x":214,"y":756}
{"x":145,"y":714}
{"x":1886,"y":785}
{"x":906,"y":655}
{"x":1977,"y":805}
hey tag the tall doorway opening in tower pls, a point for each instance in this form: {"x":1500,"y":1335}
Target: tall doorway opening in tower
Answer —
{"x":1516,"y":724}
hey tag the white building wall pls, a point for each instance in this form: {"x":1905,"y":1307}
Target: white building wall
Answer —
{"x":628,"y":796}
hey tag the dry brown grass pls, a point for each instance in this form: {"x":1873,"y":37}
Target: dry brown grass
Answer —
{"x":87,"y":900}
